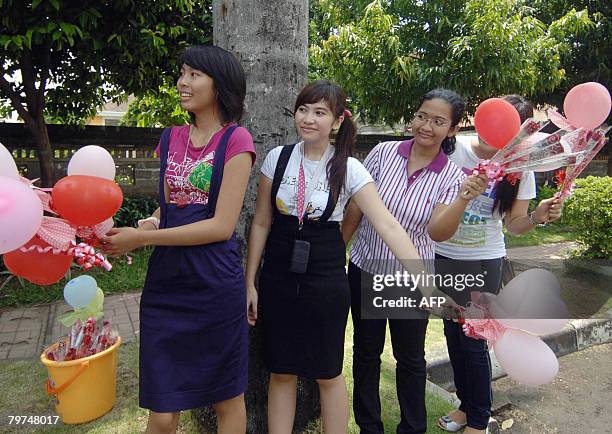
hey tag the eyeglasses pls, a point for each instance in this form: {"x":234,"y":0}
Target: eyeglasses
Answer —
{"x":421,"y":119}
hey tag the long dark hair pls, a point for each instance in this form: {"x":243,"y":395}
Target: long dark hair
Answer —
{"x":227,"y":74}
{"x":334,"y":96}
{"x":457,"y":107}
{"x":505,"y":192}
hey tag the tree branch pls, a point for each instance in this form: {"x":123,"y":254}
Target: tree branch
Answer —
{"x":5,"y":85}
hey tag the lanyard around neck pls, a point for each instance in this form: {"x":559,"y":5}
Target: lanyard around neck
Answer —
{"x":304,"y":194}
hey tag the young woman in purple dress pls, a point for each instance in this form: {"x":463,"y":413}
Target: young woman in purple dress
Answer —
{"x":193,"y":323}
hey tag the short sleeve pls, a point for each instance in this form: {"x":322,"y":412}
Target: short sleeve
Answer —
{"x":527,"y":187}
{"x":269,"y":165}
{"x":240,"y":141}
{"x":357,"y":176}
{"x":158,"y":147}
{"x":371,"y":162}
{"x":447,"y":196}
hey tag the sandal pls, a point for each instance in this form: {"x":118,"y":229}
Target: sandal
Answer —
{"x":447,"y":423}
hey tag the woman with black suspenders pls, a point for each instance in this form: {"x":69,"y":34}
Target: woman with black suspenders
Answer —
{"x":305,"y":297}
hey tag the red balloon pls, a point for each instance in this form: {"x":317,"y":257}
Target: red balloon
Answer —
{"x":35,"y":267}
{"x":496,"y":122}
{"x":86,"y":200}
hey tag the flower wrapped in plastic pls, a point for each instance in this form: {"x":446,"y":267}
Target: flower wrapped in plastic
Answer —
{"x":536,"y":153}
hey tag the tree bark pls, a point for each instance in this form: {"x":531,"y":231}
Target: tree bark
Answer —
{"x":45,"y":152}
{"x":270,"y":38}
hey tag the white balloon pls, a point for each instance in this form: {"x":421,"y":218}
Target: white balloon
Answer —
{"x":8,"y":167}
{"x":526,"y":358}
{"x":92,"y":160}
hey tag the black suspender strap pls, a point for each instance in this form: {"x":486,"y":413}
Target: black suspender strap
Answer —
{"x":281,"y":166}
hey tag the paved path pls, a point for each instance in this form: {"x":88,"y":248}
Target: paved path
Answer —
{"x":26,"y":332}
{"x":544,"y":252}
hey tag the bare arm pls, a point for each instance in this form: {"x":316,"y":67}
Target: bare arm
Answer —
{"x":445,"y":219}
{"x":260,"y":227}
{"x":394,"y":235}
{"x":351,"y":220}
{"x":517,"y":219}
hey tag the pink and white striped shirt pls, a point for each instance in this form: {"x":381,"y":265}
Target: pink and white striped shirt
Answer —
{"x":411,"y":199}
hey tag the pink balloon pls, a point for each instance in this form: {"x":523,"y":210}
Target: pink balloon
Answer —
{"x":587,"y":105}
{"x":533,"y":294}
{"x":526,"y":358}
{"x":21,"y":214}
{"x":8,"y":167}
{"x":540,"y":327}
{"x":92,"y":160}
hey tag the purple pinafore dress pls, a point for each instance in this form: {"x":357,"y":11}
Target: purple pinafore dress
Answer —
{"x":193,"y":325}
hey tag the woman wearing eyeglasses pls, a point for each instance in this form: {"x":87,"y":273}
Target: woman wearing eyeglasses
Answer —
{"x":427,"y":194}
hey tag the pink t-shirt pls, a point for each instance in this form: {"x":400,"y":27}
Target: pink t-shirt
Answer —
{"x":189,"y":169}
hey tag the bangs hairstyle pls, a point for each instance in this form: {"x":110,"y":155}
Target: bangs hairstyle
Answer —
{"x":335,"y":97}
{"x":228,"y":78}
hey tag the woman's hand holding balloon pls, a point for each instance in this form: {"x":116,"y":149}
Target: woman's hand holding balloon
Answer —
{"x":121,"y":240}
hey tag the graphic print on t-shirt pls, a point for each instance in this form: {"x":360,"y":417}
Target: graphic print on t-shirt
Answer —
{"x":312,"y":212}
{"x":478,"y":212}
{"x":189,"y":178}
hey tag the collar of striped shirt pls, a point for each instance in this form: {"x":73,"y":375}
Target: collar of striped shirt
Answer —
{"x":436,"y":165}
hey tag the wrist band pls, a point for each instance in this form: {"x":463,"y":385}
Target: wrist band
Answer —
{"x":153,"y":220}
{"x":532,"y":219}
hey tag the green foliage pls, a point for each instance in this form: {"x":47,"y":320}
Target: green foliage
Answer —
{"x":159,"y":108}
{"x":589,"y":210}
{"x":589,"y":57}
{"x":546,"y":192}
{"x":91,"y":51}
{"x":388,"y":54}
{"x":134,"y":209}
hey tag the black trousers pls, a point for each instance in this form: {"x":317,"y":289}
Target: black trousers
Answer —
{"x":408,"y":342}
{"x":470,"y":357}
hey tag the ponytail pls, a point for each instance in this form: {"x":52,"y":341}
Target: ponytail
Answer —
{"x":345,"y":147}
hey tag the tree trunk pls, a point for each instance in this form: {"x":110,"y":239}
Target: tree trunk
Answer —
{"x":270,"y":37}
{"x":45,"y":152}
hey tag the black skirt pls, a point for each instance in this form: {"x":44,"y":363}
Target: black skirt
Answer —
{"x":304,"y":316}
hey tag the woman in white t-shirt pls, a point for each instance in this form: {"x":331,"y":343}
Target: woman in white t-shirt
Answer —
{"x":478,"y":248}
{"x":304,"y":292}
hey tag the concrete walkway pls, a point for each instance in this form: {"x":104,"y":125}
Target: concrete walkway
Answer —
{"x":26,"y":332}
{"x":578,"y":400}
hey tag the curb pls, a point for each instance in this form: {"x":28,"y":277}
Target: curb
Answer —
{"x":576,"y":335}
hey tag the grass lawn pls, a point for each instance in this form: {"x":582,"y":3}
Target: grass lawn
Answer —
{"x":24,"y":394}
{"x":551,"y":233}
{"x":122,"y":278}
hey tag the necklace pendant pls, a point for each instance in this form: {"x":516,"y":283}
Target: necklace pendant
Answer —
{"x":181,"y":201}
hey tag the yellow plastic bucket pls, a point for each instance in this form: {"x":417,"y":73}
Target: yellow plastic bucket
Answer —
{"x":85,"y":389}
